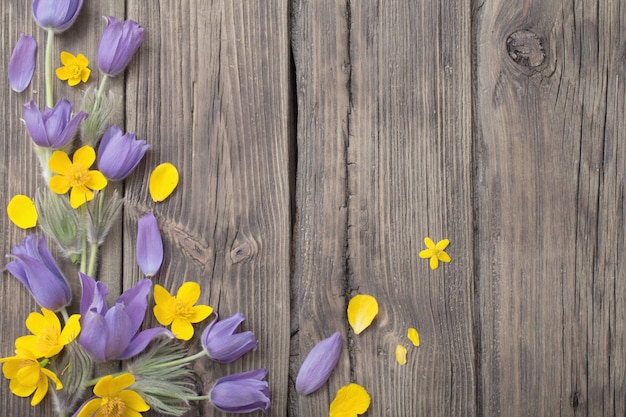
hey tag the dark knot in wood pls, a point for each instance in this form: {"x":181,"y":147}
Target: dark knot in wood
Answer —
{"x":525,"y":48}
{"x":242,"y":251}
{"x":575,"y":400}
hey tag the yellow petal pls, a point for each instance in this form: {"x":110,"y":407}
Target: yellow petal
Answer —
{"x":84,"y":156}
{"x":413,"y":336}
{"x":21,"y":390}
{"x":133,"y":400}
{"x":444,"y":257}
{"x":82,"y":60}
{"x":434,"y":263}
{"x":361,"y":312}
{"x":59,"y":184}
{"x":350,"y":401}
{"x":22,"y":211}
{"x":67,"y":58}
{"x":163,"y":181}
{"x":73,"y":81}
{"x":182,"y":329}
{"x":401,"y":354}
{"x":163,"y":314}
{"x":59,"y":162}
{"x":429,"y":243}
{"x":161,"y":295}
{"x":96,"y":181}
{"x":426,"y":253}
{"x":79,"y":196}
{"x":442,"y":244}
{"x":53,"y":377}
{"x":63,"y":74}
{"x":188,"y":293}
{"x":71,"y":329}
{"x":40,"y":393}
{"x":84,"y":75}
{"x":90,"y":408}
{"x":200,"y":312}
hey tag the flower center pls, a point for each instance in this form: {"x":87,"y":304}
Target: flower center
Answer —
{"x":77,"y":176}
{"x":112,"y":407}
{"x":182,"y":310}
{"x":75,"y":70}
{"x":49,"y":337}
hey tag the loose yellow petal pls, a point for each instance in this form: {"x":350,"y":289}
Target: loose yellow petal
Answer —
{"x":22,"y":212}
{"x":163,"y":181}
{"x":350,"y":401}
{"x":401,"y":354}
{"x":414,"y":336}
{"x":361,"y":312}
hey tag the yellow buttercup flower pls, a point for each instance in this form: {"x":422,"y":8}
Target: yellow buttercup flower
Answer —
{"x":401,"y":354}
{"x":75,"y":175}
{"x":47,"y":337}
{"x":180,"y":311}
{"x":74,"y":69}
{"x":28,"y":375}
{"x":413,"y":336}
{"x":436,"y":252}
{"x":163,"y":181}
{"x":350,"y":401}
{"x":22,"y":211}
{"x":362,"y":309}
{"x":113,"y":399}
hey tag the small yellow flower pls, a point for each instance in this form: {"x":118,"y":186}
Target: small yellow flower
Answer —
{"x":28,"y":375}
{"x":436,"y":252}
{"x":22,"y":212}
{"x":362,"y":309}
{"x":180,"y":311}
{"x":113,"y":399}
{"x":47,"y":338}
{"x":413,"y":336}
{"x":163,"y":181}
{"x":351,"y":400}
{"x":76,"y":175}
{"x":401,"y":354}
{"x":74,"y":69}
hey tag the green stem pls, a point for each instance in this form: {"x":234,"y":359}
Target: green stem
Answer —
{"x":92,"y":259}
{"x":181,"y":361}
{"x":66,"y":316}
{"x":103,"y":82}
{"x":198,"y":398}
{"x":49,"y":45}
{"x":83,"y":254}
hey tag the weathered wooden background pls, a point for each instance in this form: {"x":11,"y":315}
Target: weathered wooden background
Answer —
{"x":320,"y":141}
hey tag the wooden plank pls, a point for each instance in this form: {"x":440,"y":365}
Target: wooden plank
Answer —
{"x":384,"y":130}
{"x":20,"y":166}
{"x":550,"y":207}
{"x":211,"y":94}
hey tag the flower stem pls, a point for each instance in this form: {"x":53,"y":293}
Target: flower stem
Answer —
{"x":181,"y":361}
{"x":92,"y":259}
{"x":49,"y":45}
{"x":83,"y":254}
{"x":198,"y":398}
{"x":96,"y":102}
{"x":66,"y":316}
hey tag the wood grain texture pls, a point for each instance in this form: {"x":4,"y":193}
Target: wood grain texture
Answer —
{"x":550,"y":209}
{"x":211,"y":91}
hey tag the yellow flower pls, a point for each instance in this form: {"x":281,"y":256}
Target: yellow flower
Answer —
{"x":27,"y":375}
{"x":436,"y":252}
{"x":413,"y":336}
{"x":113,"y":399}
{"x":351,"y":400}
{"x":401,"y":354}
{"x":74,"y":69}
{"x":22,"y":211}
{"x":163,"y":181}
{"x":180,"y":311}
{"x":75,"y":175}
{"x":47,"y":338}
{"x":362,"y":309}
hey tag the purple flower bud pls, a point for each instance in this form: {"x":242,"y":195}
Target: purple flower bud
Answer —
{"x":242,"y":393}
{"x":149,"y":245}
{"x":56,"y":14}
{"x":118,"y":44}
{"x":111,"y":333}
{"x":22,"y":63}
{"x":221,"y":342}
{"x":319,"y":364}
{"x":35,"y":267}
{"x":119,"y":154}
{"x":54,"y":128}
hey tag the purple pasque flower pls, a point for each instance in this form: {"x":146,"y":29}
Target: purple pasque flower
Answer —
{"x":149,"y":245}
{"x":54,"y":128}
{"x":319,"y":364}
{"x":35,"y":267}
{"x":119,"y":42}
{"x":223,"y":344}
{"x":119,"y":154}
{"x":111,"y":333}
{"x":241,"y":393}
{"x":22,"y":63}
{"x":56,"y":14}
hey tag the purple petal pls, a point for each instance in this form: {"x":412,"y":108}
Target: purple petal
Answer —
{"x":56,"y":14}
{"x":135,"y":302}
{"x":93,"y":335}
{"x":242,"y":393}
{"x":118,"y":44}
{"x":319,"y":365}
{"x":141,"y":340}
{"x":22,"y":63}
{"x":221,"y":342}
{"x":149,"y":245}
{"x":35,"y":124}
{"x":119,"y":154}
{"x":94,"y":296}
{"x":120,"y":332}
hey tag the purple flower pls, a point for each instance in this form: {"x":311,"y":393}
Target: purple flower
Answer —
{"x":35,"y":267}
{"x":221,"y":342}
{"x":22,"y":63}
{"x":319,"y":364}
{"x":242,"y":393}
{"x":56,"y":14}
{"x":149,"y":245}
{"x":119,"y":42}
{"x":119,"y":154}
{"x":111,"y":333}
{"x":54,"y":128}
